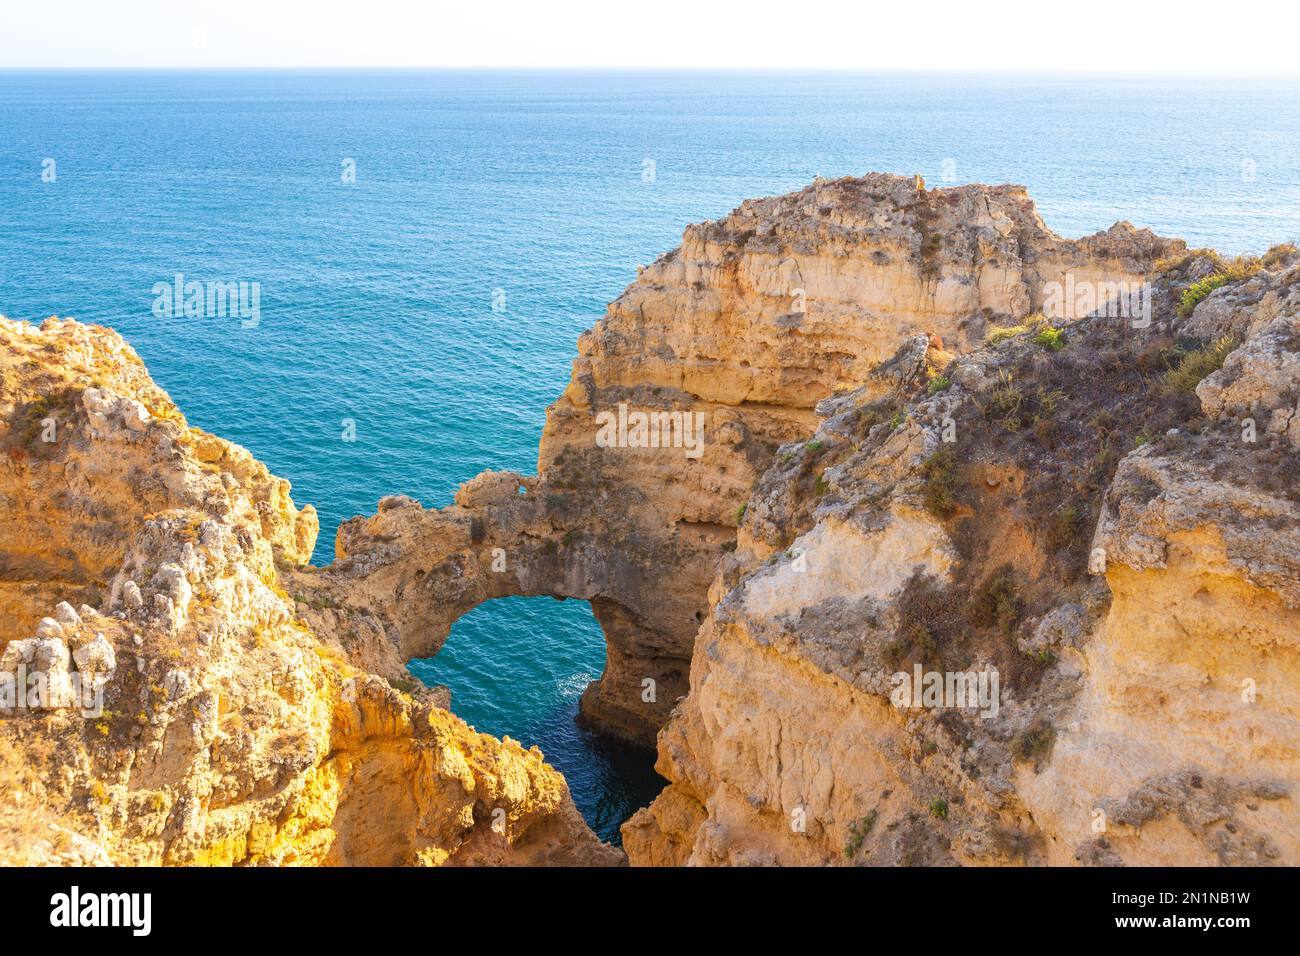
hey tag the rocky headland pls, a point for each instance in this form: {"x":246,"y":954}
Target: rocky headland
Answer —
{"x":933,"y":437}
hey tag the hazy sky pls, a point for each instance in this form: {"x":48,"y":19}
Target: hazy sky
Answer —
{"x":1099,"y":35}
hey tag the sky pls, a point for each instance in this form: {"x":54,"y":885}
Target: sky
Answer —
{"x":1105,"y":36}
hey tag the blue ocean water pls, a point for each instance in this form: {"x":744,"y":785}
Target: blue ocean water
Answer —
{"x":435,"y":301}
{"x":547,"y":651}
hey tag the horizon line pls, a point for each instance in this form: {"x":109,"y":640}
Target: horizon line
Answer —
{"x":1293,"y":73}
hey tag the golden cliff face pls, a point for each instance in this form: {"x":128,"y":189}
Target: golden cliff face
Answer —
{"x":187,"y":711}
{"x":867,"y":459}
{"x":1119,"y":542}
{"x":743,"y":329}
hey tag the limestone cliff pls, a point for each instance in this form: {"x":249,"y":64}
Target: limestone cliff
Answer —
{"x":1088,"y":509}
{"x":850,"y":435}
{"x":747,"y":325}
{"x":191,"y":710}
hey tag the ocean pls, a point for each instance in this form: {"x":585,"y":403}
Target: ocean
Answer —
{"x":427,"y":247}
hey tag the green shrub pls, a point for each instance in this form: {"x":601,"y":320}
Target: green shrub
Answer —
{"x":1012,"y":843}
{"x":995,"y":603}
{"x":1050,"y":338}
{"x":315,"y":602}
{"x":1035,"y":743}
{"x":940,"y":482}
{"x":915,"y":641}
{"x":1197,"y":291}
{"x":1063,"y":527}
{"x":939,"y":809}
{"x":922,"y":638}
{"x":938,"y":384}
{"x":1242,"y":267}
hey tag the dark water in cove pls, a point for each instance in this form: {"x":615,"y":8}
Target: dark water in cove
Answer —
{"x":530,"y":192}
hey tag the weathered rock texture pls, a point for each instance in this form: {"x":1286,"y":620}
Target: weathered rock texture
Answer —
{"x":751,"y":322}
{"x":192,"y":711}
{"x":902,"y":467}
{"x":1148,"y":710}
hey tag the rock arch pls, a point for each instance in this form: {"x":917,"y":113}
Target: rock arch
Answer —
{"x":714,"y":328}
{"x":507,"y":536}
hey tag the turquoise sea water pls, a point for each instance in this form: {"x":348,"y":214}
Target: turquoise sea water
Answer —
{"x":530,"y":193}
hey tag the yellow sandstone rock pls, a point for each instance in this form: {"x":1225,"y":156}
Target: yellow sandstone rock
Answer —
{"x":214,"y":724}
{"x":905,"y":472}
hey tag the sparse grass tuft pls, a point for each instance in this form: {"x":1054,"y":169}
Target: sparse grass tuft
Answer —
{"x":1048,"y":399}
{"x":858,"y":831}
{"x":1196,"y":365}
{"x":1004,"y":401}
{"x":1002,"y":333}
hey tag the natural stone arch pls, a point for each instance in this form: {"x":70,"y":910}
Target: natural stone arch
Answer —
{"x":715,"y":329}
{"x":422,"y":570}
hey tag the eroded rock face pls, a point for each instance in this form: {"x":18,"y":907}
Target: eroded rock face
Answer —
{"x":1096,"y":514}
{"x":69,"y":509}
{"x":1141,"y":612}
{"x":191,"y":711}
{"x":1259,"y":383}
{"x":1184,"y":731}
{"x":745,"y":327}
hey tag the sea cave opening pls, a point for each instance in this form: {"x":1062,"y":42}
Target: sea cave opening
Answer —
{"x":517,"y":666}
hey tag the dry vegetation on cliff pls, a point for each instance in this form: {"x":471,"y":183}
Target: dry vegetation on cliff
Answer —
{"x":957,"y":510}
{"x":907,"y":465}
